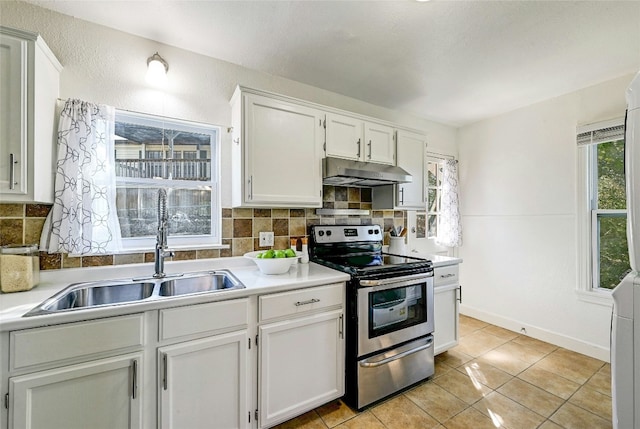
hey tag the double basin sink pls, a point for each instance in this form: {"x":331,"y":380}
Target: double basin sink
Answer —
{"x":118,"y":292}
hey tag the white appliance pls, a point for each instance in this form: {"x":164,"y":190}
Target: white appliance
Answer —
{"x":625,"y":327}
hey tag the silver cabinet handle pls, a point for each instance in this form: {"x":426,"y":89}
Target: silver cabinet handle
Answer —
{"x":358,"y":143}
{"x":250,"y":187}
{"x":366,"y":364}
{"x":311,"y":301}
{"x":164,"y":371}
{"x":134,"y":376}
{"x":401,"y":191}
{"x":460,"y":298}
{"x":341,"y":327}
{"x":12,"y":171}
{"x":446,"y":276}
{"x":369,"y":149}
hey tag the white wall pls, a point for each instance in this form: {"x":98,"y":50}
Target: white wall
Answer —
{"x":518,"y":175}
{"x":108,"y":66}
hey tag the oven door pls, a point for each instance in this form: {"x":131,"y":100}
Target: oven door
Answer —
{"x":393,"y":311}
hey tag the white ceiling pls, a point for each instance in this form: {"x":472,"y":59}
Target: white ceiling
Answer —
{"x":454,"y":62}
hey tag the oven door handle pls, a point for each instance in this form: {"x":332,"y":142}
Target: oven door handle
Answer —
{"x":385,"y":361}
{"x":392,"y":280}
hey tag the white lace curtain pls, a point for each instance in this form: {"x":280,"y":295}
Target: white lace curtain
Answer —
{"x":83,"y":218}
{"x":449,"y":232}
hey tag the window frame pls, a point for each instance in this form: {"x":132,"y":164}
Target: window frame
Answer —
{"x":588,"y":216}
{"x":209,"y":241}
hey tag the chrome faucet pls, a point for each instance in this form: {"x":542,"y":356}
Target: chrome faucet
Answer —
{"x":162,"y":251}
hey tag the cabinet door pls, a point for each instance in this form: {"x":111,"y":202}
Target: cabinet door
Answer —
{"x":445,"y":306}
{"x":379,"y":143}
{"x":411,"y":156}
{"x":13,"y":111}
{"x":282,"y":153}
{"x":343,"y":137}
{"x":99,"y":394}
{"x":301,"y":365}
{"x":203,"y":383}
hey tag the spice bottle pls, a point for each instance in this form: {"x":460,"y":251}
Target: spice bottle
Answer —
{"x":305,"y":251}
{"x":19,"y":267}
{"x":294,"y":247}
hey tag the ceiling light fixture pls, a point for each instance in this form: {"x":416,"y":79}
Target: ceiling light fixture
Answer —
{"x":157,"y":69}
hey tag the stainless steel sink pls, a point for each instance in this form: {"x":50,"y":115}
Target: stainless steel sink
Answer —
{"x":122,"y":292}
{"x":198,"y":283}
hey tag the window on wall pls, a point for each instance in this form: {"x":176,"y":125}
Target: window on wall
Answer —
{"x":181,"y":157}
{"x":602,"y":147}
{"x":434,"y":191}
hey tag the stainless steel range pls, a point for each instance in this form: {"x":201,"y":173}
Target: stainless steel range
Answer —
{"x":389,"y":341}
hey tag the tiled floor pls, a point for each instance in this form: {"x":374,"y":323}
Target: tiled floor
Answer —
{"x":494,"y":378}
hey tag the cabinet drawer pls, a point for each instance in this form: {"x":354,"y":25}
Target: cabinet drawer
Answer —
{"x":38,"y":346}
{"x":300,"y":301}
{"x":445,"y":275}
{"x":203,"y":318}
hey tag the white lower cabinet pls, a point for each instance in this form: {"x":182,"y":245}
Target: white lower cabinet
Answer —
{"x":300,"y":356}
{"x":203,"y":383}
{"x":203,"y":372}
{"x":100,"y":394}
{"x":447,"y":294}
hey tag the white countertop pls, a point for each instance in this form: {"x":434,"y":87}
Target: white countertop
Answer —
{"x":438,"y":260}
{"x":14,"y":305}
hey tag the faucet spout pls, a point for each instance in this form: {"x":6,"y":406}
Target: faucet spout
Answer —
{"x":162,"y":251}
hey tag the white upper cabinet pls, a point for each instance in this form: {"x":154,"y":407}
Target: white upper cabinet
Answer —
{"x":358,"y":140}
{"x":411,"y":156}
{"x":29,"y":88}
{"x":276,"y":152}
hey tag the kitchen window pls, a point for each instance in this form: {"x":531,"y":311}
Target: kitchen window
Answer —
{"x":182,"y":157}
{"x":434,"y":192}
{"x":603,"y":220}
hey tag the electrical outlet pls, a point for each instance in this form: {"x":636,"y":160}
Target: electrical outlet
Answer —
{"x":266,"y":239}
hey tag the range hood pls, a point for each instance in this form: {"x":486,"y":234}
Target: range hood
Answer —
{"x":343,"y":172}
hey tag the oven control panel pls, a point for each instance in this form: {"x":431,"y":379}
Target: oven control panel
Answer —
{"x":346,"y":233}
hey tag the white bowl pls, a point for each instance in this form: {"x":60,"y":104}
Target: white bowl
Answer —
{"x":273,"y":265}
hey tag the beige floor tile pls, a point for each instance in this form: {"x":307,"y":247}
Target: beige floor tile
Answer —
{"x":549,"y":425}
{"x":570,"y":416}
{"x":503,"y":360}
{"x":471,"y":322}
{"x":601,"y":380}
{"x":593,"y":401}
{"x":470,"y":418}
{"x":500,"y":332}
{"x":522,"y":352}
{"x":550,"y":382}
{"x":541,"y":346}
{"x":453,"y":357}
{"x":335,"y":412}
{"x":570,"y":365}
{"x":310,"y":420}
{"x":401,"y":413}
{"x":507,"y":412}
{"x":482,"y":372}
{"x":364,"y":420}
{"x":532,"y":397}
{"x":441,"y":368}
{"x":436,"y":401}
{"x":478,"y":343}
{"x":464,"y":331}
{"x":463,"y":386}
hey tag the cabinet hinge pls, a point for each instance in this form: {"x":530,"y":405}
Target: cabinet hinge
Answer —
{"x":6,"y":401}
{"x":324,"y":124}
{"x":324,"y":147}
{"x":255,"y":415}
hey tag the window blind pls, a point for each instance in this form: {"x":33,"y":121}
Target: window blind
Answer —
{"x":601,"y":132}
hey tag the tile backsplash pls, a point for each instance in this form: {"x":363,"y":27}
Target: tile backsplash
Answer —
{"x":241,"y":227}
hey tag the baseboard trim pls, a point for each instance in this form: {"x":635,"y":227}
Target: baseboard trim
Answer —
{"x":554,"y":338}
